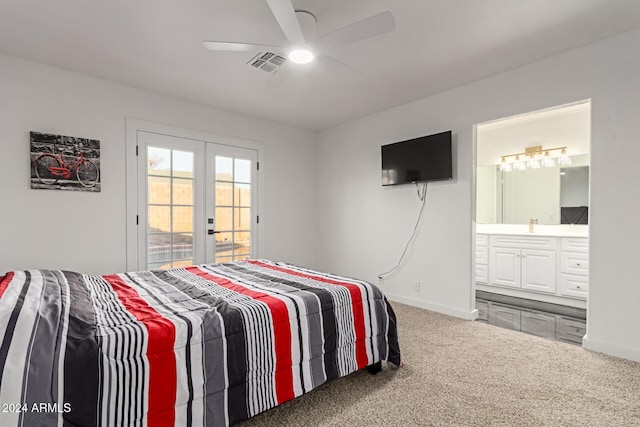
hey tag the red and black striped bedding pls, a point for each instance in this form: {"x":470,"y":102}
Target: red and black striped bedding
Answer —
{"x":205,"y":345}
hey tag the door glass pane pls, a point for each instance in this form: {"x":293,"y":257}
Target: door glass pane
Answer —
{"x":242,"y":219}
{"x":182,"y":191}
{"x":224,"y":245}
{"x":182,"y":246}
{"x":182,"y":219}
{"x":183,"y":263}
{"x":158,"y":248}
{"x":224,"y":219}
{"x":158,"y":265}
{"x":224,"y":193}
{"x":242,"y":171}
{"x":233,"y":215}
{"x":242,"y":195}
{"x":170,"y":211}
{"x":159,"y":160}
{"x":242,"y":243}
{"x":224,"y":168}
{"x":159,"y":190}
{"x":159,"y":218}
{"x":183,"y":164}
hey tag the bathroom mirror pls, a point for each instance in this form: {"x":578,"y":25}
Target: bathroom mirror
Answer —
{"x":514,"y":197}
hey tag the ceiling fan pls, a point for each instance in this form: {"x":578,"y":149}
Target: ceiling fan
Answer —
{"x":298,"y":27}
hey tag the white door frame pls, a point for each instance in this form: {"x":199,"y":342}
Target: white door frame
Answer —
{"x":133,"y":261}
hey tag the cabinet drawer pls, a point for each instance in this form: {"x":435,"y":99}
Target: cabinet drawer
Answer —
{"x":574,"y":263}
{"x":570,"y":330}
{"x":527,"y":242}
{"x":482,"y":273}
{"x":482,"y":255}
{"x":503,"y":316}
{"x":482,"y":240}
{"x":574,"y":244}
{"x":574,"y":286}
{"x":540,"y":324}
{"x":483,"y":310}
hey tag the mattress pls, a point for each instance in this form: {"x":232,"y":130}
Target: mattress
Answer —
{"x":203,"y":345}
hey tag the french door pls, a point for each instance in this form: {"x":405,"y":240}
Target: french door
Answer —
{"x":197,"y":202}
{"x":231,"y":204}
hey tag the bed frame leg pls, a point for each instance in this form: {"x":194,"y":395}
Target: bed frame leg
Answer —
{"x":375,"y":368}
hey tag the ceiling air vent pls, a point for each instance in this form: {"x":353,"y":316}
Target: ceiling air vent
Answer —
{"x":267,"y":61}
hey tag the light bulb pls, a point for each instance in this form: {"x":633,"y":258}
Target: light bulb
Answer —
{"x":533,"y":163}
{"x":301,"y":56}
{"x":564,"y":160}
{"x":548,"y":161}
{"x":519,"y":164}
{"x":504,"y":166}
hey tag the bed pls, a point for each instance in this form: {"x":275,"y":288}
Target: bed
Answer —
{"x":206,"y":345}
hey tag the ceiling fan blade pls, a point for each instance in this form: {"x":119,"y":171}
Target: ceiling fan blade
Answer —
{"x":368,"y":27}
{"x":285,"y":14}
{"x":338,"y":69}
{"x":236,"y":47}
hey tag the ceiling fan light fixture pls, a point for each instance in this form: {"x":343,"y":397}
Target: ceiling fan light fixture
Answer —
{"x":301,"y":56}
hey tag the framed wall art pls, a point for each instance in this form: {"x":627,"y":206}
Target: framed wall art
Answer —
{"x":64,"y":162}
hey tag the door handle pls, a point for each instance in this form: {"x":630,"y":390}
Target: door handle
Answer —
{"x":212,"y":232}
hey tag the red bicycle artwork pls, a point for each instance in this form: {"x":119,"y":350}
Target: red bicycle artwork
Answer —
{"x":65,"y":164}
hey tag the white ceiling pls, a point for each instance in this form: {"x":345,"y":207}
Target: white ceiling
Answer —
{"x":437,"y":44}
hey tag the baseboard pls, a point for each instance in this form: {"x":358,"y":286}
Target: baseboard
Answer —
{"x":611,"y":349}
{"x":450,"y":311}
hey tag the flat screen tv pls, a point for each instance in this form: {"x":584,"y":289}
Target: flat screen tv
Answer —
{"x":427,"y":158}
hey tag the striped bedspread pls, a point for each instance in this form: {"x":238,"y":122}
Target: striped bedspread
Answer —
{"x":207,"y":345}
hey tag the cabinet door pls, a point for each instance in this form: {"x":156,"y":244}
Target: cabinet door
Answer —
{"x":539,"y":270}
{"x":505,"y":267}
{"x":483,"y":310}
{"x":503,"y":316}
{"x":482,"y":274}
{"x":570,"y":330}
{"x":538,"y":323}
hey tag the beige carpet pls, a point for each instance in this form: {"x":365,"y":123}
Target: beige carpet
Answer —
{"x":460,"y":373}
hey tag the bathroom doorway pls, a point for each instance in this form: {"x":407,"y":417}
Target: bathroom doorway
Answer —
{"x":532,"y":214}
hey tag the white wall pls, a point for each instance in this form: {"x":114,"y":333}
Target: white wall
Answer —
{"x":364,"y":226}
{"x":86,"y":231}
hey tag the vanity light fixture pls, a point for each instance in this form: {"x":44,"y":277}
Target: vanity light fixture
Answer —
{"x":533,"y":163}
{"x":564,"y":160}
{"x":547,"y":161}
{"x":504,"y":166}
{"x":518,"y":164}
{"x":534,"y":158}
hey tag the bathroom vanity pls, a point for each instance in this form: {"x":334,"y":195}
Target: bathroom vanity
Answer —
{"x":550,"y":264}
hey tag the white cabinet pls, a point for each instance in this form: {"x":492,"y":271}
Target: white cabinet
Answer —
{"x":574,"y":267}
{"x":539,"y":270}
{"x":505,"y":267}
{"x":548,"y":268}
{"x":482,"y":258}
{"x":518,"y":263}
